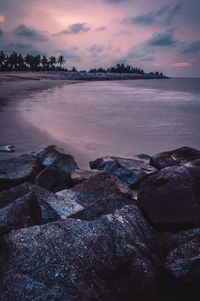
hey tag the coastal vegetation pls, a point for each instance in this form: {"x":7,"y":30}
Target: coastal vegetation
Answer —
{"x":17,"y":62}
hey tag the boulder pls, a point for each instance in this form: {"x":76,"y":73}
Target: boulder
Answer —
{"x":100,"y":207}
{"x":44,"y":198}
{"x":174,"y":157}
{"x":174,"y":240}
{"x":53,"y":207}
{"x":98,"y":195}
{"x":18,"y":170}
{"x":54,"y":157}
{"x":101,"y":186}
{"x":20,"y":213}
{"x":129,"y":171}
{"x":170,"y":199}
{"x":53,"y":179}
{"x":26,"y":288}
{"x":80,"y":175}
{"x":194,"y":168}
{"x":7,"y":148}
{"x":183,"y":266}
{"x":112,"y":258}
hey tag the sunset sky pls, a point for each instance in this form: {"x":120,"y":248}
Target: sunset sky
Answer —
{"x":159,"y":35}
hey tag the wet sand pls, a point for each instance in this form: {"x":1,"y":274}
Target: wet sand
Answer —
{"x":15,"y":87}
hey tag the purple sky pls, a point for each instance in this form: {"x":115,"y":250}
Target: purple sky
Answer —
{"x":159,"y":35}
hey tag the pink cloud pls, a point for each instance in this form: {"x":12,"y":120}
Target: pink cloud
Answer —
{"x":181,"y":64}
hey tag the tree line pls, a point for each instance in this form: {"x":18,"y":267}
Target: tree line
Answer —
{"x":17,"y":62}
{"x":119,"y":68}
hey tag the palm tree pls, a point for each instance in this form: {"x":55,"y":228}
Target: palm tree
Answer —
{"x":20,"y":62}
{"x":3,"y":58}
{"x":28,"y":60}
{"x":61,"y":60}
{"x":44,"y":62}
{"x":36,"y":61}
{"x":13,"y":60}
{"x":52,"y":61}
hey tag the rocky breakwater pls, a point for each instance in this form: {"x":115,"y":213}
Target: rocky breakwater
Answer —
{"x":126,"y":230}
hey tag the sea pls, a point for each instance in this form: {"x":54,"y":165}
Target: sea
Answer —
{"x":119,"y":118}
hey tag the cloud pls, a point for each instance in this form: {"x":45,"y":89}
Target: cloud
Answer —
{"x":162,"y":39}
{"x":1,"y":33}
{"x":191,"y":48}
{"x":2,"y":19}
{"x":139,"y":53}
{"x":181,"y":64}
{"x":18,"y":46}
{"x":70,"y":54}
{"x":116,"y":1}
{"x":22,"y":48}
{"x":76,"y":28}
{"x":30,"y":33}
{"x":101,"y":28}
{"x":163,"y":15}
{"x":95,"y":50}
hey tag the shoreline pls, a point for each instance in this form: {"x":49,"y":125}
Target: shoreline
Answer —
{"x":17,"y":86}
{"x":14,"y":89}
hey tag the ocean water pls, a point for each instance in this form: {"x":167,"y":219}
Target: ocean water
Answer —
{"x":121,"y":118}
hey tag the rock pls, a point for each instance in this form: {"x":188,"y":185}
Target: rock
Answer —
{"x":20,"y":213}
{"x":175,"y":157}
{"x":170,"y":199}
{"x":53,"y":207}
{"x":194,"y":168}
{"x":98,"y":195}
{"x":129,"y":171}
{"x":98,"y":187}
{"x":53,"y":179}
{"x":53,"y":157}
{"x":26,"y":288}
{"x":18,"y":170}
{"x":44,"y":198}
{"x":7,"y":148}
{"x":143,"y":157}
{"x":174,"y":240}
{"x":80,"y":175}
{"x":183,"y":265}
{"x":101,"y":207}
{"x":112,"y":258}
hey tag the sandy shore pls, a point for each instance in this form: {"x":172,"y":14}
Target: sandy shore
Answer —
{"x":15,"y":87}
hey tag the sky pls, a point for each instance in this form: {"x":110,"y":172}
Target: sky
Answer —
{"x":161,"y":35}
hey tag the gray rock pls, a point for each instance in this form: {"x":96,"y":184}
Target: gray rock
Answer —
{"x":26,"y":288}
{"x":112,"y":258}
{"x":101,"y":186}
{"x":43,"y":196}
{"x":18,"y":170}
{"x":183,"y":265}
{"x":53,"y":179}
{"x":98,"y":195}
{"x":129,"y":171}
{"x":7,"y":148}
{"x":170,"y":199}
{"x":80,"y":175}
{"x":54,"y":157}
{"x":55,"y":206}
{"x":175,"y":157}
{"x":20,"y":213}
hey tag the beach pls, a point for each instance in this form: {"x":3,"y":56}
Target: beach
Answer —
{"x":98,"y":118}
{"x":92,"y":194}
{"x":15,"y":87}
